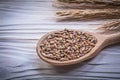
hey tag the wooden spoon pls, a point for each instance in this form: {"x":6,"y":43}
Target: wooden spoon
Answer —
{"x":103,"y":40}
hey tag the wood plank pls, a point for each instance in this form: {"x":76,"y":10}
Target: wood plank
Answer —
{"x":23,"y":22}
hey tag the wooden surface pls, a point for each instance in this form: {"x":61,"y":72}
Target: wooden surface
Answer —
{"x":23,"y":22}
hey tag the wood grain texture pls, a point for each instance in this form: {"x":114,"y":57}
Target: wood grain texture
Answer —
{"x":23,"y":22}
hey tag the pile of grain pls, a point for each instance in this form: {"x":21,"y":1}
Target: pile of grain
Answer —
{"x":67,"y":45}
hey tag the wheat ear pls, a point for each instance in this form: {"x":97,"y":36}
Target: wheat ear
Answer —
{"x":87,"y":3}
{"x":115,"y":2}
{"x":88,"y":14}
{"x":111,"y":26}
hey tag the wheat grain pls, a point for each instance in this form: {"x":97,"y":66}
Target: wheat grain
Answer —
{"x":67,"y":45}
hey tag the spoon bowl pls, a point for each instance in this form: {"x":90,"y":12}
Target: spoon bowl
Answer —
{"x":102,"y":41}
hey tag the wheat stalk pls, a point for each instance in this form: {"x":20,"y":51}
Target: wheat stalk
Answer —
{"x":87,"y":3}
{"x":88,"y":14}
